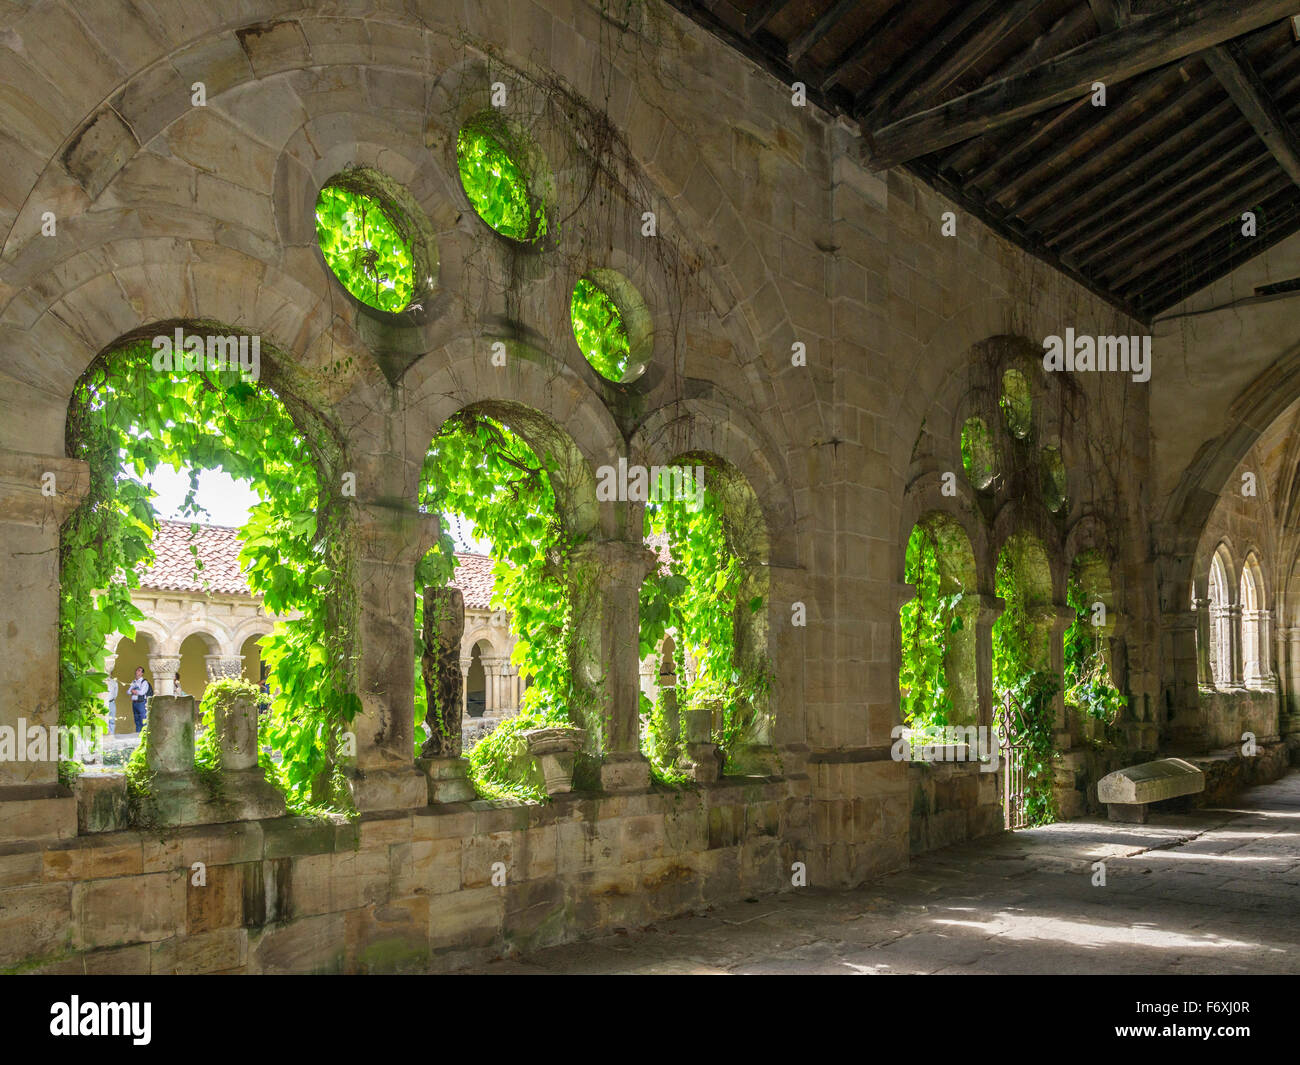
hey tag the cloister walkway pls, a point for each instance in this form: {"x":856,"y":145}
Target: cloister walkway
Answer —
{"x":1216,"y":890}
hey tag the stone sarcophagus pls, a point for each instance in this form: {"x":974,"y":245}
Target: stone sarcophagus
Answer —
{"x":1128,"y":792}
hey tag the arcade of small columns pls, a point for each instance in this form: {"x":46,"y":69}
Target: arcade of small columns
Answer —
{"x":226,"y":623}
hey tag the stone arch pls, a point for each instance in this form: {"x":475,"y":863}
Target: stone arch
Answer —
{"x":957,"y":573}
{"x":246,"y":630}
{"x":151,"y":630}
{"x":549,"y":407}
{"x":482,"y":636}
{"x":216,"y":635}
{"x":1255,"y":630}
{"x":924,"y":496}
{"x":716,"y":427}
{"x":1030,"y":517}
{"x":220,"y":292}
{"x":1189,"y":507}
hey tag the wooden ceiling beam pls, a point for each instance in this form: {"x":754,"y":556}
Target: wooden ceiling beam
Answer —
{"x":964,"y":156}
{"x":1187,"y":233}
{"x":875,"y":102}
{"x":1111,"y":58}
{"x":1217,"y":131}
{"x":813,"y":36}
{"x":1110,"y":14}
{"x":858,"y":50}
{"x":1158,"y":218}
{"x":1233,"y":68}
{"x":1162,"y":292}
{"x":1004,"y":19}
{"x":1193,"y":167}
{"x":763,"y":13}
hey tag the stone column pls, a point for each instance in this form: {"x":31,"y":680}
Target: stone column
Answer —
{"x":1233,"y":614}
{"x":390,"y":541}
{"x":990,"y":609}
{"x":110,"y":664}
{"x":163,"y":668}
{"x":224,"y":667}
{"x":440,"y":760}
{"x":606,"y":583}
{"x":465,"y":664}
{"x":490,"y":700}
{"x":1290,"y":716}
{"x":1260,"y":674}
{"x":37,"y":493}
{"x":1061,"y":618}
{"x":1204,"y":671}
{"x":1185,"y":634}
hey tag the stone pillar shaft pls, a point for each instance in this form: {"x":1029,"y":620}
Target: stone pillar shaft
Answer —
{"x":37,"y":492}
{"x":607,"y":578}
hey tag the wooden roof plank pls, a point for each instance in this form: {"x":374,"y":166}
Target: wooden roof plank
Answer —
{"x":1236,"y":74}
{"x":1114,"y":57}
{"x":918,"y":60}
{"x":811,"y":37}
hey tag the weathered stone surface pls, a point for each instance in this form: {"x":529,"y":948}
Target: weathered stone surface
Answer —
{"x":101,"y":802}
{"x":1151,"y":782}
{"x":99,"y":150}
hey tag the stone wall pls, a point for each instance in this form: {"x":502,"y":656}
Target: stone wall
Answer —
{"x":771,"y":234}
{"x":952,"y":802}
{"x":394,"y":892}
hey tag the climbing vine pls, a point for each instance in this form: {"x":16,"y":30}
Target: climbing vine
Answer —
{"x":479,"y":468}
{"x":699,"y":594}
{"x":495,"y":181}
{"x":364,"y":248}
{"x":598,"y":327}
{"x":1023,"y":686}
{"x":927,"y":621}
{"x":128,"y":419}
{"x":1087,"y":674}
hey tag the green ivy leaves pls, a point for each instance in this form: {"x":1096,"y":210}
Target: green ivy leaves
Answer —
{"x":368,"y":255}
{"x":125,"y":416}
{"x":600,"y":331}
{"x":497,"y":186}
{"x":926,"y":622}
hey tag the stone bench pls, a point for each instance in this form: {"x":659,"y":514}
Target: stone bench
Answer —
{"x":1128,"y":792}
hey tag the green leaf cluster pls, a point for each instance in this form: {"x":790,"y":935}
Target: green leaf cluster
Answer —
{"x":600,"y":331}
{"x":496,"y":184}
{"x":927,"y":620}
{"x":363,"y":247}
{"x":127,"y":420}
{"x":697,"y":597}
{"x":479,"y":468}
{"x":1087,"y":676}
{"x":1021,"y":676}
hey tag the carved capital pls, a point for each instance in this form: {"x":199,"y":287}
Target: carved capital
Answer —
{"x":394,"y":535}
{"x":621,"y":561}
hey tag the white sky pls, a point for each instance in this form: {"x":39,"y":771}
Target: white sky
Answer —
{"x":228,"y":501}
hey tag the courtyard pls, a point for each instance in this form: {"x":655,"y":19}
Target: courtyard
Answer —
{"x":1210,"y":891}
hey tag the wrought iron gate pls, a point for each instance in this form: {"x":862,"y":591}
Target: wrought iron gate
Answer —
{"x":1011,"y":731}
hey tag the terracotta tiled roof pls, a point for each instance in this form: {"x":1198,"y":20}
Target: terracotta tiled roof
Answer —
{"x":173,"y":567}
{"x":474,"y":578}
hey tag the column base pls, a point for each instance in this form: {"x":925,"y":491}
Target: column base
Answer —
{"x":448,"y":779}
{"x":625,"y":772}
{"x":387,"y":789}
{"x":705,"y":762}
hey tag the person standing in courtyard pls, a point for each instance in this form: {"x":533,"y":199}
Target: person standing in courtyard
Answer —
{"x":140,"y":691}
